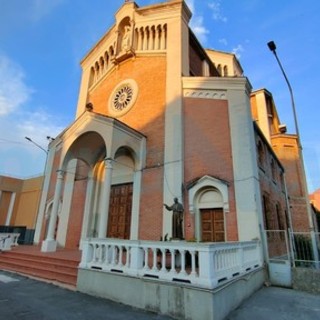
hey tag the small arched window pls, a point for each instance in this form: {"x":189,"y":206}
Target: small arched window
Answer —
{"x":225,"y":71}
{"x":219,"y":69}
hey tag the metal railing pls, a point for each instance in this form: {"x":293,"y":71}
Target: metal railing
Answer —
{"x":303,"y":254}
{"x":8,"y":240}
{"x":292,"y":246}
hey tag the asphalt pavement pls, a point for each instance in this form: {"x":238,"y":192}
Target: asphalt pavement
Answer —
{"x":23,"y":298}
{"x":278,"y":304}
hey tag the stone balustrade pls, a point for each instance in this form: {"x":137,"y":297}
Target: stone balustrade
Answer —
{"x":8,"y":240}
{"x":205,"y":265}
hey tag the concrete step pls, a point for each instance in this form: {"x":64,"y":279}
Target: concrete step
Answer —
{"x":41,"y":257}
{"x":49,"y":268}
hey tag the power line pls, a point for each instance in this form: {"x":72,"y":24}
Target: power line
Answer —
{"x":12,"y":141}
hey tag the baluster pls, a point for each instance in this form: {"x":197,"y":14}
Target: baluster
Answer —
{"x":92,"y":248}
{"x":146,"y":259}
{"x":183,"y":262}
{"x":113,"y":259}
{"x":173,"y":261}
{"x":95,"y":253}
{"x":109,"y":254}
{"x":100,"y":259}
{"x":164,"y":260}
{"x":193,"y":263}
{"x":120,"y":257}
{"x":154,"y":252}
{"x":127,"y":257}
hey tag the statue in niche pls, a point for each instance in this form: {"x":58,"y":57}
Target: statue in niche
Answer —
{"x":177,"y":219}
{"x":126,"y":38}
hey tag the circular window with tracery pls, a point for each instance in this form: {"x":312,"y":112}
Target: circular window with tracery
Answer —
{"x":123,"y":97}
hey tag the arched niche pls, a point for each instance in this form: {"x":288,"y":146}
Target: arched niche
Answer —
{"x":123,"y":166}
{"x":88,"y":147}
{"x":208,"y":190}
{"x":208,"y":196}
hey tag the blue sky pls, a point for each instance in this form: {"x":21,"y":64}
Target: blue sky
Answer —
{"x":43,"y":41}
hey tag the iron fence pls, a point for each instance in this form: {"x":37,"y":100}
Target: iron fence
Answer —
{"x":302,"y":247}
{"x":297,"y":247}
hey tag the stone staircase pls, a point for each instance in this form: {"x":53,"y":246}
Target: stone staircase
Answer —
{"x":60,"y":266}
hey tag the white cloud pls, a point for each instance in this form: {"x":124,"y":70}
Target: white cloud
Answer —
{"x":217,"y":13}
{"x":190,"y":4}
{"x":18,"y":119}
{"x":199,"y":29}
{"x":39,"y":125}
{"x":13,"y":90}
{"x":41,"y":8}
{"x":223,"y":41}
{"x":237,"y":50}
{"x":196,"y":22}
{"x":19,"y":157}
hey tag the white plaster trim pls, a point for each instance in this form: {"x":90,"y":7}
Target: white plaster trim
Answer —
{"x":207,"y":183}
{"x":205,"y":94}
{"x":87,"y":207}
{"x":217,"y":83}
{"x":65,"y":205}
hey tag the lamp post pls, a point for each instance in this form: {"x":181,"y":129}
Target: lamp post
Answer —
{"x":272,"y":47}
{"x":44,"y":173}
{"x":30,"y":140}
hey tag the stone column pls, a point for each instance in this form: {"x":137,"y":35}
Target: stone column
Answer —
{"x":105,"y":200}
{"x":87,"y":208}
{"x":50,"y":244}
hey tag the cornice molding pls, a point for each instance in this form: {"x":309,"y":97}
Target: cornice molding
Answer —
{"x":217,"y":83}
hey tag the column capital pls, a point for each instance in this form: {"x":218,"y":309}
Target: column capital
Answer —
{"x":108,"y":163}
{"x":60,"y":174}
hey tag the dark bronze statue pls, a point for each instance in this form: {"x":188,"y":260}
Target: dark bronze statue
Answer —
{"x":177,"y":219}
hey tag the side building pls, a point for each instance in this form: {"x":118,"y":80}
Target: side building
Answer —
{"x":19,"y":202}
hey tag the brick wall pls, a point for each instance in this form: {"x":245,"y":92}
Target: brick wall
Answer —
{"x":76,"y":214}
{"x":286,"y":148}
{"x":146,"y":116}
{"x":208,"y":152}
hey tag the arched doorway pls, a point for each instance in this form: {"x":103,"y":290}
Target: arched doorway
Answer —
{"x":120,"y":210}
{"x":209,"y":202}
{"x":212,"y":222}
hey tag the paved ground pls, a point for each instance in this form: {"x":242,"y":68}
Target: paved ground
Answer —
{"x":279,"y":304}
{"x":23,"y":298}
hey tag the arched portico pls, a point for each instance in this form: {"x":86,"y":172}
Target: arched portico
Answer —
{"x":91,"y":166}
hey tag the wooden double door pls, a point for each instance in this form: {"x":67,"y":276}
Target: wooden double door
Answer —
{"x":119,"y":221}
{"x":212,"y":225}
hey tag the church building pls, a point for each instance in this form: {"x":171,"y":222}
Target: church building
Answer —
{"x":171,"y":172}
{"x":158,"y":118}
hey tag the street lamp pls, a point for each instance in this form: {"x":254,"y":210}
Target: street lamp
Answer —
{"x":30,"y":140}
{"x":272,"y":47}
